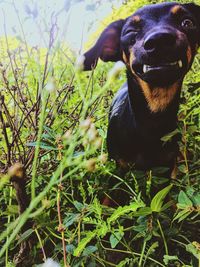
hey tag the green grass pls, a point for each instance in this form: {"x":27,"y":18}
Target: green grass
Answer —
{"x":54,"y":122}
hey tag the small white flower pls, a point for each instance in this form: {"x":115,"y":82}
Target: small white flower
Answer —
{"x":51,"y":85}
{"x":116,"y":70}
{"x":67,"y":135}
{"x":79,"y":65}
{"x":85,"y":124}
{"x":92,"y":133}
{"x":50,"y":263}
{"x":103,"y":158}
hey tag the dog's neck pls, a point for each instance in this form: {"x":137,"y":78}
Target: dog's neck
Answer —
{"x":156,"y":100}
{"x":154,"y":107}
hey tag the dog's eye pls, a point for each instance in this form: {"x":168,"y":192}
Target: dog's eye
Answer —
{"x":128,"y":31}
{"x":187,"y":23}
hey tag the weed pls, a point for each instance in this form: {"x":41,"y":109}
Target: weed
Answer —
{"x":53,"y":153}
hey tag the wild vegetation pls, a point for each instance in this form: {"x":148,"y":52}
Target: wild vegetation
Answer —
{"x":55,"y":171}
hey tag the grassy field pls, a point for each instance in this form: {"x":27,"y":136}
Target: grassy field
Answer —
{"x":55,"y":171}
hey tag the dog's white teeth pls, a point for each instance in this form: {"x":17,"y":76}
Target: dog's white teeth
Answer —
{"x":145,"y":68}
{"x":180,"y":63}
{"x":172,"y":63}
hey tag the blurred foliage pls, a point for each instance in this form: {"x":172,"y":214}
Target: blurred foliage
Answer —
{"x":53,"y":122}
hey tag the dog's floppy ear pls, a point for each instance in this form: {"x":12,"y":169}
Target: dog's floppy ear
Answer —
{"x":195,"y":10}
{"x":107,"y":46}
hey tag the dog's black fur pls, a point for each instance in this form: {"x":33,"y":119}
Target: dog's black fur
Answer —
{"x":158,"y":44}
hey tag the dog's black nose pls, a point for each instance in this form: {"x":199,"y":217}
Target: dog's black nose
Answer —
{"x":159,"y":40}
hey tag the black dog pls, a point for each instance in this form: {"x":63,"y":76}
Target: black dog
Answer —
{"x":158,"y":44}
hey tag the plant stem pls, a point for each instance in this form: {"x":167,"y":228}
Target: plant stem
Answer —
{"x":18,"y":224}
{"x":8,"y":221}
{"x":37,"y":148}
{"x":133,"y":253}
{"x":163,"y":237}
{"x":142,"y":254}
{"x":40,"y":241}
{"x":61,"y":227}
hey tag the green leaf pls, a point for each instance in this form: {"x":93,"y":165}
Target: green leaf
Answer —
{"x":123,"y":210}
{"x":190,"y":191}
{"x":70,"y":248}
{"x":167,"y":205}
{"x":124,"y":262}
{"x":168,"y":137}
{"x":83,"y":243}
{"x":159,"y":180}
{"x":184,"y":199}
{"x":193,"y":248}
{"x":89,"y":250}
{"x":196,"y":199}
{"x":3,"y":181}
{"x":102,"y":133}
{"x":181,"y":206}
{"x":103,"y":230}
{"x":115,"y":238}
{"x":168,"y":258}
{"x":152,"y":249}
{"x":192,"y":129}
{"x":42,"y":145}
{"x":97,"y":208}
{"x":10,"y":264}
{"x":70,"y":219}
{"x":25,"y":235}
{"x":49,"y":131}
{"x":143,"y":211}
{"x":13,"y":209}
{"x":48,"y":138}
{"x":182,"y":215}
{"x":79,"y":206}
{"x":182,"y":168}
{"x":157,"y":201}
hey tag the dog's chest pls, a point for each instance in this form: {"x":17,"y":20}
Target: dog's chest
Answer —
{"x":136,"y":139}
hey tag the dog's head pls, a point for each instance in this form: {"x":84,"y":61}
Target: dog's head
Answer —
{"x":157,"y":43}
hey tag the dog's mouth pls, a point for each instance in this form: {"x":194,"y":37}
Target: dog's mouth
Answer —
{"x":164,"y":73}
{"x":165,"y":66}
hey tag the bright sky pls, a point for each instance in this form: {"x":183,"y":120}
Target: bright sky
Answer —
{"x":74,"y":19}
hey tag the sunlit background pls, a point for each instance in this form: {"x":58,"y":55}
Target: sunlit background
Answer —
{"x":71,"y":21}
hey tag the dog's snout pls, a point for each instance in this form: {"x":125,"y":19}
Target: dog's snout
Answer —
{"x":159,"y":40}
